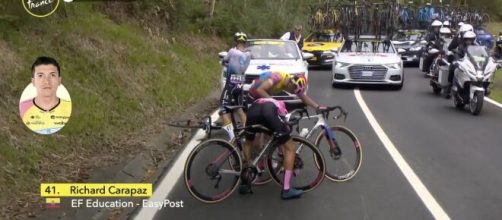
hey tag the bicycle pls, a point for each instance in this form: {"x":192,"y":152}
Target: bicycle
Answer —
{"x":342,"y":145}
{"x":220,"y":162}
{"x":207,"y":125}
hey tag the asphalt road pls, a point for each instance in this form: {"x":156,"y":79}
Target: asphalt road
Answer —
{"x":454,"y":154}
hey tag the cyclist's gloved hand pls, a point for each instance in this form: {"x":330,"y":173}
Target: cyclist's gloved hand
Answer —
{"x":320,"y":108}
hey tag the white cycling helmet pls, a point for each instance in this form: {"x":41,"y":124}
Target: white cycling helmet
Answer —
{"x":437,"y":23}
{"x":469,"y":35}
{"x":445,"y":30}
{"x":446,"y":23}
{"x":466,"y":27}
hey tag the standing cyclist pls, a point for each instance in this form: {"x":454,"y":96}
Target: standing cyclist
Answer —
{"x":270,"y":113}
{"x":238,"y":59}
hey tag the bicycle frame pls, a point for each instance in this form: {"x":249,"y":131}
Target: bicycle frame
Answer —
{"x":320,"y":124}
{"x":222,"y":157}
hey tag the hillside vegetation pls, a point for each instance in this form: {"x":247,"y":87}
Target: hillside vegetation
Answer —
{"x":127,"y":66}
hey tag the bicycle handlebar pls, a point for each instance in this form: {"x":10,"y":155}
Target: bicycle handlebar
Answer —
{"x":342,"y":113}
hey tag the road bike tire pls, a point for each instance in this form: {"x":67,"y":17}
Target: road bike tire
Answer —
{"x":200,"y":166}
{"x":347,"y":165}
{"x":309,"y":169}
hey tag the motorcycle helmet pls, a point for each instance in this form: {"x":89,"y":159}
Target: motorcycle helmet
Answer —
{"x":466,"y":27}
{"x":469,"y":37}
{"x":446,"y":24}
{"x":437,"y":23}
{"x":445,"y":31}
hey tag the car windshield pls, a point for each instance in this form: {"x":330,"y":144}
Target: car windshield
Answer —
{"x":368,"y":47}
{"x":407,"y":36}
{"x":273,"y":50}
{"x":322,"y":37}
{"x":477,"y":55}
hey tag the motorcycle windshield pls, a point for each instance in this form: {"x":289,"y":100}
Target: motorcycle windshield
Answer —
{"x":478,"y":56}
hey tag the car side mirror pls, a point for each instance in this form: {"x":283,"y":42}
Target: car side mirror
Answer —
{"x":222,"y":54}
{"x":401,"y":50}
{"x":307,"y":56}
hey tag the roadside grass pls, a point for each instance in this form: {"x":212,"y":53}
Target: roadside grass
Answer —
{"x":497,"y":87}
{"x":494,"y":28}
{"x":122,"y":82}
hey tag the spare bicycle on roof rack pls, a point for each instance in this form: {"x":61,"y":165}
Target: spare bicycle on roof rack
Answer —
{"x":386,"y":17}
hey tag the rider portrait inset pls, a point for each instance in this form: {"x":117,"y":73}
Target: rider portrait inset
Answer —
{"x":45,"y":105}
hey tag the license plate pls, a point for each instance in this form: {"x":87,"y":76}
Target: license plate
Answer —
{"x":367,"y":73}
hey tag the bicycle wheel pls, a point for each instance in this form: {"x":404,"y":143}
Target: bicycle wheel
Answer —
{"x":212,"y":171}
{"x":309,"y":169}
{"x":343,"y":162}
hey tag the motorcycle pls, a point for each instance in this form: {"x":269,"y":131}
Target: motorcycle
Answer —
{"x":430,"y":50}
{"x":473,"y":74}
{"x":440,"y":68}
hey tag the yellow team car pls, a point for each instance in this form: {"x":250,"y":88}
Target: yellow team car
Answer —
{"x":320,"y":44}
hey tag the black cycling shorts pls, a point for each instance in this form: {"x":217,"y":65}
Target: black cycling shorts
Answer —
{"x":230,"y":96}
{"x":267,"y":114}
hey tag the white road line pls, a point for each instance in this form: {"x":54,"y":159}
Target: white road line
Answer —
{"x":493,"y":102}
{"x":173,"y":175}
{"x":405,"y":168}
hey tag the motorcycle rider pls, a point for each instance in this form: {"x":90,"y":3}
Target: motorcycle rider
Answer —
{"x":432,"y":42}
{"x":457,"y":28}
{"x":445,"y":33}
{"x":497,"y":52}
{"x":459,"y":50}
{"x":447,"y":24}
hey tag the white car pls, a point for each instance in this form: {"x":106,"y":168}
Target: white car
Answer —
{"x":368,"y":61}
{"x":273,"y":55}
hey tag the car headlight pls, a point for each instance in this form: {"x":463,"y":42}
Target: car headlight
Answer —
{"x":417,"y":48}
{"x":341,"y":64}
{"x":394,"y":66}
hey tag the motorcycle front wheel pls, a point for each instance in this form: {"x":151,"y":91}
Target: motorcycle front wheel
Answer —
{"x":476,"y":103}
